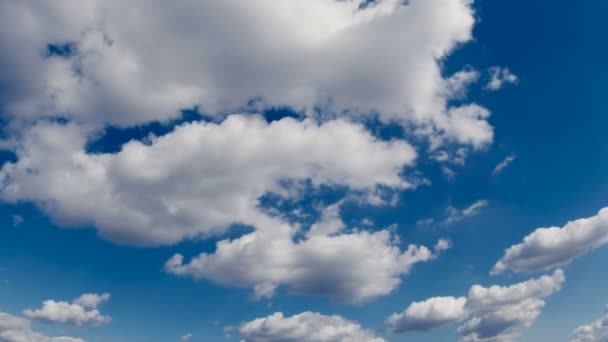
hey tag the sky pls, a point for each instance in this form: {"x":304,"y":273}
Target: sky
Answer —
{"x":289,"y":171}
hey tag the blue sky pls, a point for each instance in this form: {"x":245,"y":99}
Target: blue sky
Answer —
{"x":58,"y":244}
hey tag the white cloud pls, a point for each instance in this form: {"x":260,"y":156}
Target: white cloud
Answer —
{"x":499,"y":77}
{"x":454,"y":215}
{"x":429,"y":314}
{"x":503,"y":164}
{"x":457,"y":156}
{"x":596,"y":331}
{"x":92,"y":300}
{"x":547,"y":248}
{"x":149,"y":194}
{"x":495,"y":313}
{"x":221,"y":55}
{"x":449,"y":160}
{"x":305,"y":327}
{"x":330,"y":222}
{"x":443,"y":245}
{"x":457,"y":85}
{"x":470,"y":124}
{"x":17,"y":329}
{"x":186,"y":337}
{"x":348,"y":267}
{"x":83,"y":310}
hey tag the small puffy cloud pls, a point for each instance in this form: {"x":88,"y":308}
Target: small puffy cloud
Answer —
{"x":454,"y":215}
{"x":442,"y":245}
{"x":457,"y":156}
{"x":596,"y":331}
{"x":547,"y":248}
{"x":83,"y":310}
{"x":503,"y":164}
{"x":496,"y":313}
{"x":18,"y":329}
{"x":470,"y":124}
{"x":92,"y":300}
{"x":305,"y":327}
{"x":440,"y":156}
{"x":429,"y":314}
{"x":347,"y":267}
{"x":457,"y":84}
{"x":186,"y":337}
{"x":148,"y":194}
{"x":499,"y":77}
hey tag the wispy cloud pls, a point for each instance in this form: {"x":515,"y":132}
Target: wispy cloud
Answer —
{"x":499,"y":77}
{"x":455,"y":215}
{"x":504,"y":164}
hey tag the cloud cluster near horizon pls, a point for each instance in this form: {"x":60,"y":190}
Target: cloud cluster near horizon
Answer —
{"x":495,"y":313}
{"x":81,"y":311}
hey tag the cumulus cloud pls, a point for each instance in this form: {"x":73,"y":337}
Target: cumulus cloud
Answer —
{"x":429,"y":314}
{"x":107,"y":67}
{"x":500,"y":313}
{"x":503,"y":164}
{"x":350,"y":267}
{"x":197,"y":180}
{"x":17,"y":329}
{"x":499,"y":77}
{"x":186,"y":337}
{"x":307,"y":326}
{"x":83,"y":310}
{"x":496,"y":313}
{"x":442,"y":245}
{"x":110,"y":62}
{"x":330,"y":222}
{"x":547,"y":248}
{"x":596,"y":331}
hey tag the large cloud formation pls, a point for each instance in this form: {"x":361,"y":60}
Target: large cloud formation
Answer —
{"x":305,"y":327}
{"x":547,"y":248}
{"x":125,"y":63}
{"x":83,"y":310}
{"x":17,"y":329}
{"x":596,"y":331}
{"x":70,"y":70}
{"x":197,"y":180}
{"x":347,"y":267}
{"x":495,"y":313}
